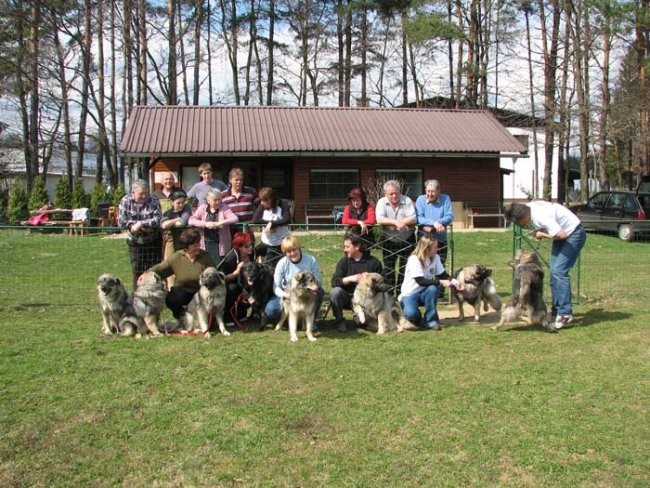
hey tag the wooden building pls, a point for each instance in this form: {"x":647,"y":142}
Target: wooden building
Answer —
{"x":315,"y":155}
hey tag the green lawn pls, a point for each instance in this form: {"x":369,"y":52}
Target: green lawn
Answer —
{"x":462,"y":407}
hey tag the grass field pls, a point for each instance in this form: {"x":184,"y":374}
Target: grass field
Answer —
{"x":462,"y":407}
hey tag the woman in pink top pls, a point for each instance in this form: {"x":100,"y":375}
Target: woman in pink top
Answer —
{"x":214,"y":220}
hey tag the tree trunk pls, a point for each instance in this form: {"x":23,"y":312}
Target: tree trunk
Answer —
{"x":172,"y":94}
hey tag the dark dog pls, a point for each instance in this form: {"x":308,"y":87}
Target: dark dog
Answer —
{"x":475,"y":287}
{"x":526,"y":302}
{"x":256,"y":282}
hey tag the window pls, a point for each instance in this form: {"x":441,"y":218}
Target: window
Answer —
{"x":332,"y":183}
{"x":411,"y":180}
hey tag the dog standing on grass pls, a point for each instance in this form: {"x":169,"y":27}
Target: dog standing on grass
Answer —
{"x":475,"y":286}
{"x":299,"y":303}
{"x":209,"y":301}
{"x":526,"y":302}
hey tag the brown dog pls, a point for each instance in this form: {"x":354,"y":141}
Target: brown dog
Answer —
{"x":377,"y":308}
{"x":475,"y":287}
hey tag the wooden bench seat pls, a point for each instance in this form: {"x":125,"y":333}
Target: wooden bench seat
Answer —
{"x":320,"y":212}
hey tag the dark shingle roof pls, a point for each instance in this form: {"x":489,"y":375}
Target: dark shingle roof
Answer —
{"x":182,"y":130}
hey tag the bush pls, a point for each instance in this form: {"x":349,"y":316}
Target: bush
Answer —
{"x":79,"y":197}
{"x":38,"y":196}
{"x":62,"y":194}
{"x":116,"y":194}
{"x":98,"y":195}
{"x":4,"y":200}
{"x":17,"y":207}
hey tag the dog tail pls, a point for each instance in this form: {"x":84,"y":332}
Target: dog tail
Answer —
{"x":405,"y":324}
{"x":490,"y":296}
{"x":128,"y":326}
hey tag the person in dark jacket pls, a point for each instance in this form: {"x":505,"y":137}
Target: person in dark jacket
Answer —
{"x":349,"y":269}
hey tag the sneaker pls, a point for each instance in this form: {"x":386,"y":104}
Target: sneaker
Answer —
{"x":562,"y":321}
{"x":340,"y":326}
{"x":433,"y":325}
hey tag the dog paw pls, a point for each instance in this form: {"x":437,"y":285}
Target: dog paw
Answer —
{"x":293,"y":339}
{"x":225,"y":333}
{"x":312,"y":338}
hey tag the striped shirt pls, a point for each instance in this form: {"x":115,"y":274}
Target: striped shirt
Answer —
{"x":244,"y":205}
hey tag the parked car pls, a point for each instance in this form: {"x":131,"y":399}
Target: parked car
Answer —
{"x":625,"y":213}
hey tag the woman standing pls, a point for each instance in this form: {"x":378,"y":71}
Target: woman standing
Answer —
{"x":214,"y":219}
{"x":276,"y":217}
{"x":424,"y":277}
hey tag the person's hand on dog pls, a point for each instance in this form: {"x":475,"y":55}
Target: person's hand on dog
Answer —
{"x":136,"y":227}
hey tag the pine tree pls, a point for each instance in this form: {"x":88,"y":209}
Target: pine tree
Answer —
{"x":4,"y":201}
{"x":38,"y":197}
{"x":17,"y":207}
{"x":79,"y":197}
{"x":98,"y":195}
{"x":62,"y":194}
{"x":116,"y":194}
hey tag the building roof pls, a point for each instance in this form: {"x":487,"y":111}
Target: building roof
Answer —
{"x":270,"y":130}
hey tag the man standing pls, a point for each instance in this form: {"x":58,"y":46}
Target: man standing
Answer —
{"x":396,"y":213}
{"x":349,"y":269}
{"x":168,"y":185}
{"x":556,"y":222}
{"x":200,"y":189}
{"x":434,"y":214}
{"x":242,"y":200}
{"x":139,"y":214}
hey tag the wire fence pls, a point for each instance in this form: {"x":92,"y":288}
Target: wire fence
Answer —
{"x":58,"y":266}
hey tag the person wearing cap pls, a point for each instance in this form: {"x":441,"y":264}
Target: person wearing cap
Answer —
{"x":359,"y":215}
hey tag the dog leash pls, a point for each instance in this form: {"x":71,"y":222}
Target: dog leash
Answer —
{"x":233,"y":311}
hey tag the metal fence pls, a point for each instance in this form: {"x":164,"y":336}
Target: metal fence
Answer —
{"x":58,"y":266}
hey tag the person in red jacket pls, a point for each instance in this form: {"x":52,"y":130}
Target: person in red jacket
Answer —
{"x":359,"y":215}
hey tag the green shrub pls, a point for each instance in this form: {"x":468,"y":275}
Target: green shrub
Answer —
{"x":99,"y":194}
{"x":38,"y":196}
{"x":116,"y":194}
{"x":62,"y":194}
{"x":79,"y":197}
{"x":17,"y":207}
{"x":4,"y":200}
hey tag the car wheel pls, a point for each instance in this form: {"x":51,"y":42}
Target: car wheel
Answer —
{"x":626,"y":232}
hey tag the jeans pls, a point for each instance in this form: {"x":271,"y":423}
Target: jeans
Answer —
{"x":564,"y":255}
{"x":213,"y":249}
{"x":392,"y":251}
{"x":340,"y":299}
{"x":427,"y":297}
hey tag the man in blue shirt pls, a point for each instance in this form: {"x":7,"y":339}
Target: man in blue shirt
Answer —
{"x":434,"y":214}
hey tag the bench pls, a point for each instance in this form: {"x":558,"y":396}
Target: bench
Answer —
{"x":320,"y":212}
{"x":76,"y":220}
{"x":484,"y":210}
